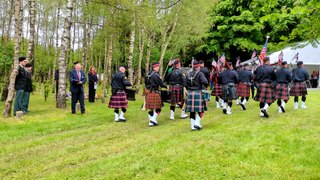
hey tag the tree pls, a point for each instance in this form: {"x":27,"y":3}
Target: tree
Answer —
{"x":61,"y":98}
{"x":30,"y":53}
{"x":18,"y":12}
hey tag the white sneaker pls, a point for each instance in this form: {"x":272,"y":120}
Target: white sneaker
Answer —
{"x":244,"y":102}
{"x":116,"y":117}
{"x":171,"y":115}
{"x":149,"y":118}
{"x":261,"y":113}
{"x":303,"y":105}
{"x":229,"y":110}
{"x":121,"y":117}
{"x":296,"y":105}
{"x":153,"y":119}
{"x":217,"y":105}
{"x":237,"y":102}
{"x":183,"y":114}
{"x":279,"y":110}
{"x":192,"y":121}
{"x":197,"y":123}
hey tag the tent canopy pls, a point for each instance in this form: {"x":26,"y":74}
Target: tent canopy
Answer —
{"x":308,"y":54}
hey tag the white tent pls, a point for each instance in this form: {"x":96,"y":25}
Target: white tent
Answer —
{"x":308,"y":54}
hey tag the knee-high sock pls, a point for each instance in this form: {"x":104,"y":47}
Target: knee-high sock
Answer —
{"x":116,"y":110}
{"x":230,"y":104}
{"x":192,"y":115}
{"x":124,"y":110}
{"x":304,"y":98}
{"x":296,"y":99}
{"x":172,"y":108}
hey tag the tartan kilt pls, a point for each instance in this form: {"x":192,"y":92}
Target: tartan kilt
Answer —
{"x":282,"y":92}
{"x":217,"y":90}
{"x":176,"y":94}
{"x":195,"y":101}
{"x":118,"y":100}
{"x":153,"y":100}
{"x":265,"y":93}
{"x":229,"y":92}
{"x":298,"y":89}
{"x":243,"y":90}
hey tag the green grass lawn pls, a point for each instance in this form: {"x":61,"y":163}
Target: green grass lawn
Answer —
{"x":53,"y":144}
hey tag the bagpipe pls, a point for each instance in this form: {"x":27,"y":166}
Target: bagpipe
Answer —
{"x":131,"y":94}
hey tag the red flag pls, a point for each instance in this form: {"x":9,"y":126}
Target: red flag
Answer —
{"x":280,"y":58}
{"x":254,"y":54}
{"x":296,"y":57}
{"x":263,"y":52}
{"x":238,"y":62}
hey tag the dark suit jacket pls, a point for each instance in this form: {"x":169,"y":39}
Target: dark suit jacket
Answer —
{"x":21,"y":79}
{"x":74,"y":87}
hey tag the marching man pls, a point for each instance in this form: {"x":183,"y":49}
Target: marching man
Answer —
{"x":282,"y":89}
{"x":245,"y":77}
{"x":118,"y":100}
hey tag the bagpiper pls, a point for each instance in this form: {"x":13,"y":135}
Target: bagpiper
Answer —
{"x":217,"y":88}
{"x":118,"y":99}
{"x":196,"y":104}
{"x":153,"y":85}
{"x":265,"y":77}
{"x":245,"y":77}
{"x":228,"y":79}
{"x":299,"y":87}
{"x":177,"y":81}
{"x":282,"y":89}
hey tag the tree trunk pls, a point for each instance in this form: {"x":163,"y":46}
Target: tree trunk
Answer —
{"x":85,"y":35}
{"x":30,"y":53}
{"x":149,"y":42}
{"x":131,"y":50}
{"x":104,"y":73}
{"x":17,"y":43}
{"x":109,"y":58}
{"x":61,"y":99}
{"x":141,"y":48}
{"x":12,"y":8}
{"x":56,"y":46}
{"x":166,"y":41}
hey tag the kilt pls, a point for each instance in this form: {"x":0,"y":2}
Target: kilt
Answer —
{"x":243,"y":90}
{"x":176,"y":94}
{"x":195,"y":101}
{"x":153,"y":100}
{"x":282,"y":92}
{"x":229,"y":92}
{"x":217,"y":90}
{"x":298,"y":89}
{"x":265,"y":93}
{"x":118,"y":100}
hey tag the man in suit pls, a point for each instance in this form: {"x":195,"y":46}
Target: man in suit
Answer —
{"x":28,"y":88}
{"x":20,"y":85}
{"x":77,"y":79}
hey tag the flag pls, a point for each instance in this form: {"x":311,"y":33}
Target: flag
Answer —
{"x":263,"y":52}
{"x":280,"y":58}
{"x":222,"y":59}
{"x":214,"y":63}
{"x":238,"y":62}
{"x":254,"y":54}
{"x":296,"y":57}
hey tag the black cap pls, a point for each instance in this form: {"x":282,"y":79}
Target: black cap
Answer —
{"x":176,"y":61}
{"x":245,"y":64}
{"x":195,"y":62}
{"x":22,"y":58}
{"x":124,"y":66}
{"x":266,"y":59}
{"x":77,"y":62}
{"x":28,"y":65}
{"x":284,"y":63}
{"x":201,"y":62}
{"x":299,"y":63}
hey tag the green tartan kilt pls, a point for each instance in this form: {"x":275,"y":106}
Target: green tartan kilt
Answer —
{"x":195,"y":101}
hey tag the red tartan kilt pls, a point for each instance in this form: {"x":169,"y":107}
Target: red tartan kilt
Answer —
{"x":118,"y":100}
{"x":153,"y":100}
{"x":298,"y":89}
{"x":176,"y":94}
{"x":243,"y":90}
{"x":265,"y":93}
{"x":282,"y":92}
{"x":217,"y":90}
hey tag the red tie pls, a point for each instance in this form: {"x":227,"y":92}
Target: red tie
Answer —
{"x":79,"y":75}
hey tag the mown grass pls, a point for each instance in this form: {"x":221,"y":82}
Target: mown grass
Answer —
{"x":53,"y":144}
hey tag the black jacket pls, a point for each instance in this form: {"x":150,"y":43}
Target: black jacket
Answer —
{"x":21,"y":79}
{"x":228,"y":76}
{"x":299,"y":74}
{"x":92,"y":79}
{"x":265,"y":73}
{"x":176,"y":77}
{"x":196,"y":80}
{"x":74,"y":86}
{"x":245,"y":76}
{"x":119,"y":81}
{"x":206,"y":73}
{"x":283,"y":76}
{"x":29,"y":83}
{"x":155,"y":81}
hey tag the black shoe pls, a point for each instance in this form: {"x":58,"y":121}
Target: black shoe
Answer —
{"x":243,"y":107}
{"x":224,"y":111}
{"x":282,"y":109}
{"x":122,"y":120}
{"x":197,"y":127}
{"x":154,"y":123}
{"x":265,"y":113}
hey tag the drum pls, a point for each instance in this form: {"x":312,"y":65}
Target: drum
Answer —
{"x":165,"y":96}
{"x":131,"y":94}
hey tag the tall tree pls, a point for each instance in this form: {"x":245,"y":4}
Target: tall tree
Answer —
{"x":18,"y":14}
{"x":65,"y":44}
{"x":32,"y":20}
